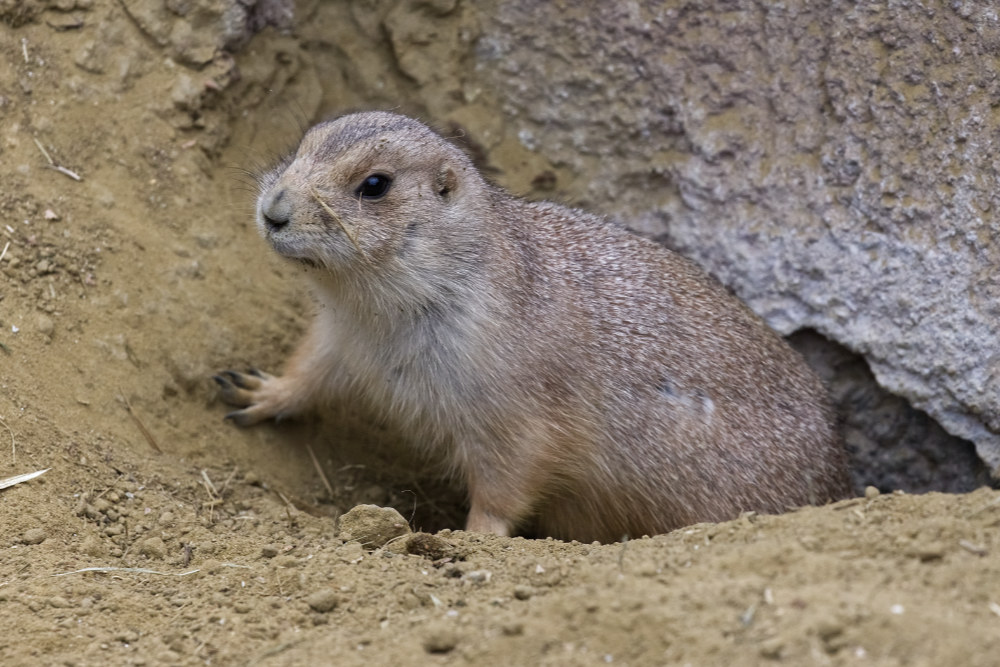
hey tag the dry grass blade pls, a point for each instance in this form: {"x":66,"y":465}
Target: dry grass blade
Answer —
{"x":336,"y":218}
{"x":17,"y":479}
{"x":142,"y":427}
{"x":209,"y":486}
{"x":66,"y":172}
{"x":319,"y":469}
{"x":139,"y":570}
{"x":52,"y":165}
{"x":44,"y":152}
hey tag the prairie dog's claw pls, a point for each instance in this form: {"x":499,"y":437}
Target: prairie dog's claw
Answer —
{"x":260,"y":395}
{"x":242,"y":417}
{"x":237,"y":389}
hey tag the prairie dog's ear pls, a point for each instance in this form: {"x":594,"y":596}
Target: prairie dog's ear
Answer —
{"x":446,"y":181}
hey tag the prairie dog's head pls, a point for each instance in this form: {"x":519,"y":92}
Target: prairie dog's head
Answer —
{"x":366,"y":189}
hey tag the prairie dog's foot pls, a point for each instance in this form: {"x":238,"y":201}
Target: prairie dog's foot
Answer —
{"x":262,"y":396}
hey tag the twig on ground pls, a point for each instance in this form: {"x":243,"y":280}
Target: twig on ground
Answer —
{"x":44,"y":152}
{"x":213,"y":495}
{"x":212,"y":491}
{"x":225,"y":485}
{"x":142,"y":427}
{"x":52,"y":165}
{"x":319,"y":469}
{"x":67,"y":172}
{"x":289,"y":507}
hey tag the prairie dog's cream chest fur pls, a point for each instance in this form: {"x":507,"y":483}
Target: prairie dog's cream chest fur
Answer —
{"x":574,"y":376}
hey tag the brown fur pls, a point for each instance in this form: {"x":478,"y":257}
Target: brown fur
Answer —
{"x":576,"y":377}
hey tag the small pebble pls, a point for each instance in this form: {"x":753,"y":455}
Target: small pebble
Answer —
{"x":440,"y":640}
{"x":523,"y":592}
{"x":127,"y":636}
{"x":871,"y":492}
{"x":34,"y":536}
{"x":428,"y":546}
{"x":772,"y":648}
{"x":269,"y":551}
{"x":479,"y":576}
{"x":352,"y":552}
{"x":45,"y":325}
{"x":512,"y":628}
{"x":323,"y":601}
{"x":154,"y":547}
{"x":286,"y":561}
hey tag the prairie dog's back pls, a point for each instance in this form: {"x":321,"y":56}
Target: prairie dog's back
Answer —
{"x":668,"y":355}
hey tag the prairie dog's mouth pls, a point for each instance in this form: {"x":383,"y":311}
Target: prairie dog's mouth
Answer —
{"x":288,"y":249}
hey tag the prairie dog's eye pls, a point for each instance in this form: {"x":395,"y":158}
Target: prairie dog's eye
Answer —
{"x":374,"y":186}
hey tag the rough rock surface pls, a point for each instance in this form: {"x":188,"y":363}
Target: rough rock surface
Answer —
{"x":194,"y":31}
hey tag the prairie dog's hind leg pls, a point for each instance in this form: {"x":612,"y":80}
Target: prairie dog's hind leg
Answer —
{"x":481,"y":521}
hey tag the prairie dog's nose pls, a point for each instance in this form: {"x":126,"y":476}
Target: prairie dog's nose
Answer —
{"x":276,"y":208}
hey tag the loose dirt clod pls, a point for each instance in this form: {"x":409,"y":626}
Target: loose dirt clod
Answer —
{"x":154,"y":547}
{"x":34,"y":536}
{"x":323,"y":601}
{"x":372,"y":525}
{"x":429,"y":546}
{"x":440,"y":639}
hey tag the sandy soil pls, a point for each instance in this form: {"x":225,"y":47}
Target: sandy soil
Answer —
{"x":162,"y":535}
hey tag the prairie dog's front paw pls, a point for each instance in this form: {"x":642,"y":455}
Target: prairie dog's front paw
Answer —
{"x":261,"y":396}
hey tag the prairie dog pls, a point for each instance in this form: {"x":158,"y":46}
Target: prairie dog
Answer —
{"x":577,"y":378}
